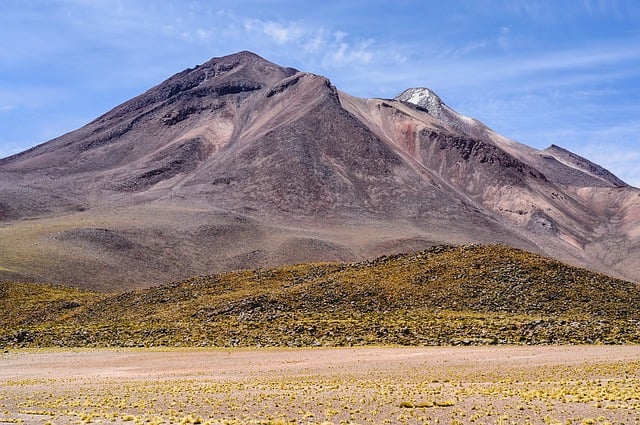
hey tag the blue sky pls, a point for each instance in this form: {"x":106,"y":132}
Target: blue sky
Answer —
{"x":540,"y":72}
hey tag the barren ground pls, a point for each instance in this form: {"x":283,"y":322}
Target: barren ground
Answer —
{"x":557,"y":384}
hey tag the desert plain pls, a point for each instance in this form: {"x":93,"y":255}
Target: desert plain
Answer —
{"x":595,"y":384}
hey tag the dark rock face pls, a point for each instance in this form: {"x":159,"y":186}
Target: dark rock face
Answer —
{"x":177,"y":159}
{"x":584,"y":165}
{"x":542,"y":223}
{"x":241,"y":140}
{"x":464,"y":154}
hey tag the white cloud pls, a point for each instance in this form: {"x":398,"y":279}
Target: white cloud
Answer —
{"x":622,"y":161}
{"x":584,"y":57}
{"x":615,"y":147}
{"x":316,"y":42}
{"x":282,"y":34}
{"x":462,"y":51}
{"x":339,"y":36}
{"x":529,"y":68}
{"x":278,"y":32}
{"x":29,"y":97}
{"x":203,"y":35}
{"x":604,"y":8}
{"x":326,"y":48}
{"x":347,"y":54}
{"x":504,"y":39}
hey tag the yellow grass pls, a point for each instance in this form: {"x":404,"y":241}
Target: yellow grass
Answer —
{"x":592,"y":392}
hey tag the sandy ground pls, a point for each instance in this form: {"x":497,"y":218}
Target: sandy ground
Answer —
{"x":567,"y":384}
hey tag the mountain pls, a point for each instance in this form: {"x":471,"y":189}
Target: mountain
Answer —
{"x":241,"y":163}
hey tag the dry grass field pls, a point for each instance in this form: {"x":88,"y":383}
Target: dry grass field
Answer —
{"x":447,"y":385}
{"x":491,"y":335}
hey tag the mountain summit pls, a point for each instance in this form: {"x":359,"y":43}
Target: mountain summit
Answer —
{"x":241,"y":163}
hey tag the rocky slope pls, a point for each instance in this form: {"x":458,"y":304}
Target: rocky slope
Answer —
{"x":441,"y":296}
{"x":241,"y":163}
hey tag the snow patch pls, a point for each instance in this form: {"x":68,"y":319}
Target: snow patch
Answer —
{"x":466,"y":119}
{"x":422,"y":97}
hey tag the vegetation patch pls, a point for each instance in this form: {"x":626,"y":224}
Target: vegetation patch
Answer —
{"x":468,"y":295}
{"x":593,"y":392}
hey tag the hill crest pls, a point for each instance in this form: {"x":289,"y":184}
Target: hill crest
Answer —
{"x":444,"y":295}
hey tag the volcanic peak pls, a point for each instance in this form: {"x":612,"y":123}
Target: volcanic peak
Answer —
{"x":424,"y":98}
{"x":278,"y":167}
{"x":428,"y":101}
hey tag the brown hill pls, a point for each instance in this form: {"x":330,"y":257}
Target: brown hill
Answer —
{"x":240,"y":163}
{"x":443,"y":295}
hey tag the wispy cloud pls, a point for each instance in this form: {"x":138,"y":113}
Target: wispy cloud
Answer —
{"x":614,"y":147}
{"x":532,"y":66}
{"x":504,"y":39}
{"x":133,"y":26}
{"x":463,"y":51}
{"x":347,"y":53}
{"x":327,"y":47}
{"x":541,"y":11}
{"x":279,"y":32}
{"x":622,"y":159}
{"x":605,"y":8}
{"x":32,"y":97}
{"x":582,"y":57}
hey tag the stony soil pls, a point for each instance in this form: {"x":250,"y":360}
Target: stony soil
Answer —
{"x":469,"y":295}
{"x":483,"y":385}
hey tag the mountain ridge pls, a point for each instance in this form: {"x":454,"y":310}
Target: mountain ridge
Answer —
{"x":242,"y":163}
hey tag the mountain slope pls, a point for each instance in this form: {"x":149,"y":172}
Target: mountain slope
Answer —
{"x":241,"y":163}
{"x":565,"y":206}
{"x":443,"y":295}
